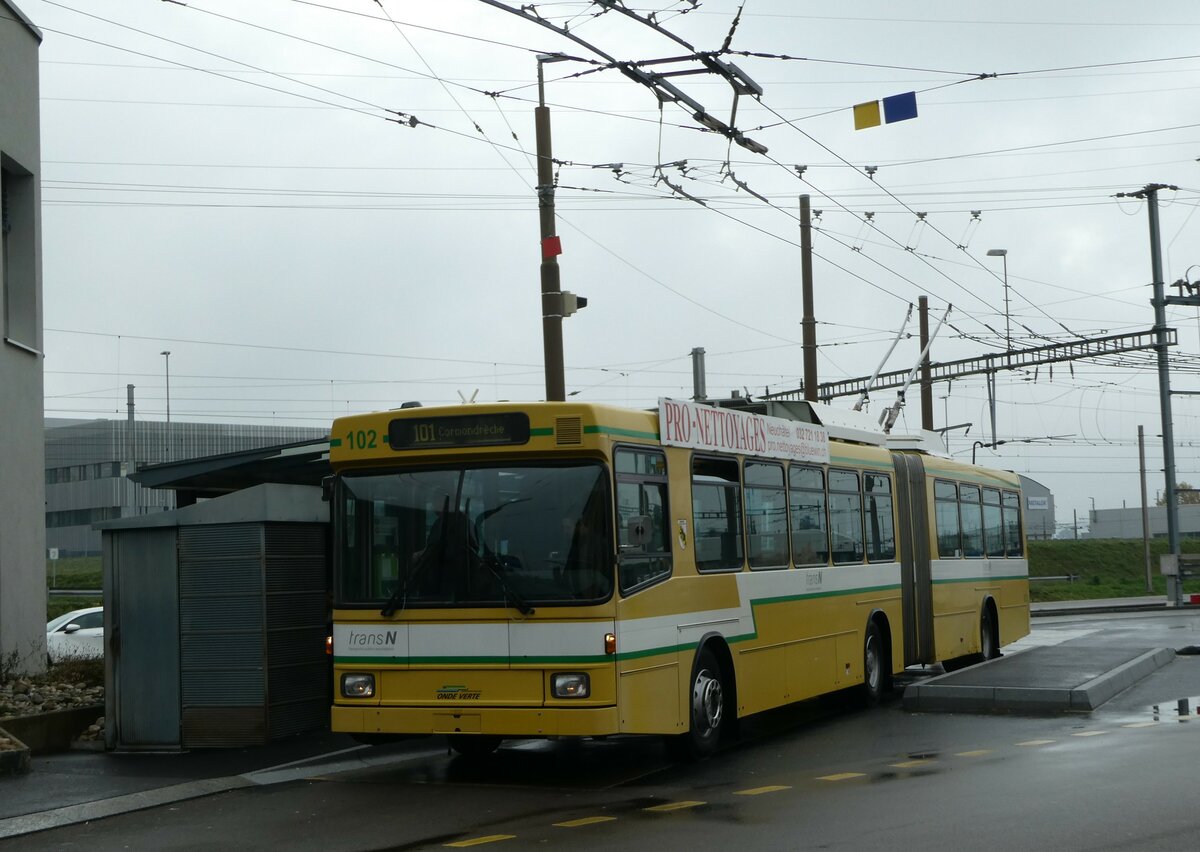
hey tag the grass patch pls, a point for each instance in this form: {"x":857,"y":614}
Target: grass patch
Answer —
{"x":1106,"y":568}
{"x":80,"y":572}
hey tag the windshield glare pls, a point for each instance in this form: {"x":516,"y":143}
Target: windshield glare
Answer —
{"x":475,"y":536}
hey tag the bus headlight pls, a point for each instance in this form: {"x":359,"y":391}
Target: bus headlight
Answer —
{"x":358,"y":685}
{"x":570,"y":685}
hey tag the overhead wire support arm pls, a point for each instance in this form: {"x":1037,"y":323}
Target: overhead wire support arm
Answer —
{"x":888,"y":418}
{"x":1017,"y":359}
{"x":866,"y":391}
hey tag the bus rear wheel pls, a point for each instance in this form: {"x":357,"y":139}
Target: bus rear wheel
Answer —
{"x":473,"y":746}
{"x":706,"y":711}
{"x":875,"y":674}
{"x":989,"y":642}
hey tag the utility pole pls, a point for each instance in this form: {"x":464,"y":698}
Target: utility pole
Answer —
{"x":808,"y":323}
{"x":552,"y":342}
{"x":926,"y":384}
{"x":1150,"y":195}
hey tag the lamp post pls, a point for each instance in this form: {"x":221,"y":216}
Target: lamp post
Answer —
{"x":166,"y":353}
{"x":1003,"y":254}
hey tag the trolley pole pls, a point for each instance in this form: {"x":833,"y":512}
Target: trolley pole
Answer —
{"x":552,"y":308}
{"x":808,"y":323}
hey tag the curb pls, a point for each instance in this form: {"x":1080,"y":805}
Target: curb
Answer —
{"x":932,"y":696}
{"x":13,"y":761}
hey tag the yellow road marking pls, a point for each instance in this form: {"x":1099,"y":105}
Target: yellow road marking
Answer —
{"x":758,"y":791}
{"x":1089,"y":733}
{"x":576,"y":823}
{"x":842,"y":776}
{"x":673,"y":806}
{"x":479,"y":841}
{"x":908,"y":764}
{"x":979,"y":752}
{"x":1035,"y":742}
{"x":1140,"y":725}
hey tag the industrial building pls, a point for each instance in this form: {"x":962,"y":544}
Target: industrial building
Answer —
{"x":88,"y":462}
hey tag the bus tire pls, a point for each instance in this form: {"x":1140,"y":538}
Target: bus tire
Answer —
{"x":707,"y":706}
{"x":989,"y":640}
{"x":875,"y":675}
{"x":473,"y":746}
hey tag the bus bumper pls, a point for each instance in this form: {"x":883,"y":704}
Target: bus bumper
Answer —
{"x":499,"y":721}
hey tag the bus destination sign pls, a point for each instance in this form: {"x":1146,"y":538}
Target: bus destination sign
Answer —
{"x":703,"y":427}
{"x":466,"y":430}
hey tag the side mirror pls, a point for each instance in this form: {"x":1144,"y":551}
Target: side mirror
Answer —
{"x":73,"y":627}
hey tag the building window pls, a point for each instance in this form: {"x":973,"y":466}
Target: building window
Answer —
{"x":18,"y":267}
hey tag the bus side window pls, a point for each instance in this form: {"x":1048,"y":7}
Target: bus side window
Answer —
{"x":809,"y":519}
{"x":972,"y":520}
{"x":881,"y":529}
{"x":945,"y":506}
{"x":644,"y":549}
{"x":766,"y":515}
{"x":1013,"y":540}
{"x":717,"y":514}
{"x":845,"y":516}
{"x":993,"y":526}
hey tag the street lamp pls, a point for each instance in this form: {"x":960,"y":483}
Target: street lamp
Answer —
{"x":1003,"y":253}
{"x":166,"y":353}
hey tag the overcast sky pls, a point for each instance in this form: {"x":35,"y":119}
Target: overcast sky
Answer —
{"x":232,"y":182}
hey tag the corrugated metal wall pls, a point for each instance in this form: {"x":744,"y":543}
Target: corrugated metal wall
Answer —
{"x":253,"y":615}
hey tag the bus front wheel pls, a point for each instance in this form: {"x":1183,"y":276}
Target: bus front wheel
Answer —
{"x":706,"y":711}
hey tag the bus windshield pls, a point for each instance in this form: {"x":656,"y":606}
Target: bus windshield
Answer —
{"x":474,"y":536}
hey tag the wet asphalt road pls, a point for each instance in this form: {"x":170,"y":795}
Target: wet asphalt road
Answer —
{"x":818,"y":776}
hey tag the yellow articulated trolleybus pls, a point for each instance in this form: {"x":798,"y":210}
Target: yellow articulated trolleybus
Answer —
{"x":575,"y":570}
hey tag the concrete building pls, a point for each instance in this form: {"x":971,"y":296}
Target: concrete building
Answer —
{"x":1039,"y":510}
{"x":22,"y":530}
{"x":87,"y":463}
{"x":1127,"y":523}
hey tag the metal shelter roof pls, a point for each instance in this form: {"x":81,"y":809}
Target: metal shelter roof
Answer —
{"x":300,"y":463}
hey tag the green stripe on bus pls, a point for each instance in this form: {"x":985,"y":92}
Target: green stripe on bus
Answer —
{"x":335,"y":442}
{"x":541,"y":433}
{"x":621,"y":433}
{"x":981,"y":579}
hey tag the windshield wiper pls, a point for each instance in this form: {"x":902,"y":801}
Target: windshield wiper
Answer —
{"x":399,"y":596}
{"x":489,"y":561}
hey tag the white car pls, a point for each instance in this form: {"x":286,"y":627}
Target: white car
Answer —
{"x":78,"y":635}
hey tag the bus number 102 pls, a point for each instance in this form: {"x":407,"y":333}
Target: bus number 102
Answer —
{"x":362,"y":439}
